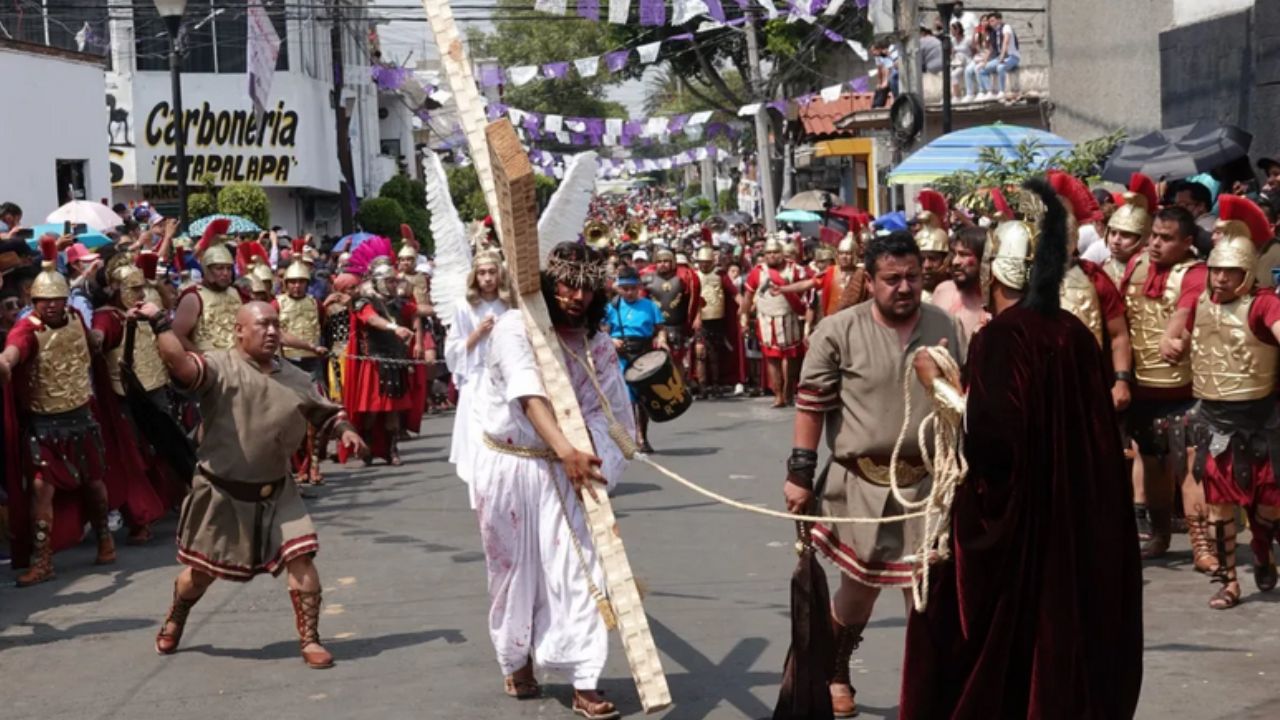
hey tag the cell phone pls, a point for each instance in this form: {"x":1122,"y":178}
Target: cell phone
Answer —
{"x":24,"y":234}
{"x":66,"y":227}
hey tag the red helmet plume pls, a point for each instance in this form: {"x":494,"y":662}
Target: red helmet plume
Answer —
{"x":147,"y":261}
{"x":1234,"y":207}
{"x":1073,"y":192}
{"x":936,"y":203}
{"x":211,"y":233}
{"x":1146,"y":187}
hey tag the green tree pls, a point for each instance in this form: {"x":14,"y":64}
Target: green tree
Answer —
{"x":468,"y":197}
{"x":246,"y":200}
{"x":204,"y":202}
{"x":410,"y":195}
{"x":381,"y":216}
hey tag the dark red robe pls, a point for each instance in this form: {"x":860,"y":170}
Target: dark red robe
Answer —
{"x":1038,"y":614}
{"x":361,"y":395}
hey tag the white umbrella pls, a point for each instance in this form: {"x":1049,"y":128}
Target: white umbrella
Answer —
{"x":96,"y":215}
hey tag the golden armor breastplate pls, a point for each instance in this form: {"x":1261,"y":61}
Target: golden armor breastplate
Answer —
{"x":147,"y":364}
{"x":152,"y":295}
{"x":1080,"y":298}
{"x":417,"y":283}
{"x":216,"y":328}
{"x":1228,"y":361}
{"x":59,"y":379}
{"x":1114,"y":270}
{"x":712,"y":296}
{"x":1147,"y":319}
{"x":301,"y":319}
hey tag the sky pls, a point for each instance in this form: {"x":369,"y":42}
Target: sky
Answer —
{"x":411,"y":40}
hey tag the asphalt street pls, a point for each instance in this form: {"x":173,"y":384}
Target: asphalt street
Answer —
{"x":405,"y":608}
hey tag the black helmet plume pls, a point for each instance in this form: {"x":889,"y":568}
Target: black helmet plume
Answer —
{"x":1050,"y":263}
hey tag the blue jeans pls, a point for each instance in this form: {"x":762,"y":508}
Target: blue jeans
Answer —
{"x":972,"y":77}
{"x":1002,"y":69}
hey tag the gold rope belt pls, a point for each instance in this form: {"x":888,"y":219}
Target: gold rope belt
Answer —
{"x":524,"y":451}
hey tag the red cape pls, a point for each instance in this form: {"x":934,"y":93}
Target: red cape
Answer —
{"x":360,"y":393}
{"x":1039,"y":611}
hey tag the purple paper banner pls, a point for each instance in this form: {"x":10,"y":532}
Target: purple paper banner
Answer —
{"x":490,"y":76}
{"x":779,"y":105}
{"x":653,"y":12}
{"x":616,"y":60}
{"x":860,"y":85}
{"x":555,"y":70}
{"x":681,"y":37}
{"x":832,"y":35}
{"x":589,"y":10}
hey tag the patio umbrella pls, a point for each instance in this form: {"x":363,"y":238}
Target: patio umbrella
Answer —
{"x":797,"y":216}
{"x":958,"y":151}
{"x":95,"y":215}
{"x":733,"y":217}
{"x":351,"y":242}
{"x":91,"y":239}
{"x":239,"y":225}
{"x":811,"y":200}
{"x":1184,"y":151}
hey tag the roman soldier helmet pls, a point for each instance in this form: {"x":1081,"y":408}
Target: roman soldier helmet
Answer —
{"x":487,"y":257}
{"x":1030,"y":254}
{"x":211,"y":249}
{"x":1080,"y":204}
{"x":407,"y":251}
{"x":932,"y":235}
{"x":1012,"y":246}
{"x":1241,"y":231}
{"x":705,"y":254}
{"x":774,"y":243}
{"x":824,"y":252}
{"x":300,"y":268}
{"x":261,"y":280}
{"x":49,"y":284}
{"x":848,"y":245}
{"x":128,"y":279}
{"x":1135,"y":214}
{"x":664,"y":253}
{"x":790,"y":250}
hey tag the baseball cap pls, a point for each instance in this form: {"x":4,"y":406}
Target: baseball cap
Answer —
{"x":1266,"y":163}
{"x":640,"y":255}
{"x":79,"y":253}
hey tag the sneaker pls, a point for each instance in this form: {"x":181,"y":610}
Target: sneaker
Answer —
{"x":114,"y":521}
{"x":738,"y":389}
{"x":999,"y":96}
{"x":966,"y":99}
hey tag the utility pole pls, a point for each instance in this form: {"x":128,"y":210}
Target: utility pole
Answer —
{"x":764,"y":165}
{"x":909,"y":57}
{"x":346,"y":185}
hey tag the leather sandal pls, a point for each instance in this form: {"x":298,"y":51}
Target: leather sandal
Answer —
{"x":522,"y":685}
{"x":594,"y":708}
{"x":166,"y":642}
{"x":1225,"y":598}
{"x":1204,"y":559}
{"x":306,"y":613}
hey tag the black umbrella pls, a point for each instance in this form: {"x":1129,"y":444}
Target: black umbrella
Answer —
{"x":804,"y":694}
{"x":1180,"y":152}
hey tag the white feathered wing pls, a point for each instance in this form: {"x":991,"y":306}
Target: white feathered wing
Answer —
{"x":453,"y":251}
{"x":566,"y":213}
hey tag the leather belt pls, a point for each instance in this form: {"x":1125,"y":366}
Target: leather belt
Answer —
{"x":244,"y":492}
{"x":875,"y":469}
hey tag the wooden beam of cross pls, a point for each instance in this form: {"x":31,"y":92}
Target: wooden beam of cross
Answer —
{"x":515,"y":215}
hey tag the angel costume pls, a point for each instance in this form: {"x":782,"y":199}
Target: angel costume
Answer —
{"x":542,"y":570}
{"x":468,"y":368}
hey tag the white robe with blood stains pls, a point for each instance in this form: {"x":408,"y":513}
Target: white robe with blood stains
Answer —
{"x":542,"y":607}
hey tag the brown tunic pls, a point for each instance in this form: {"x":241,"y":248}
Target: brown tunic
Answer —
{"x":853,"y":373}
{"x":242,"y":517}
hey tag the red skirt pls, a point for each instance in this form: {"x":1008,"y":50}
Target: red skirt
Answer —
{"x":1220,"y":487}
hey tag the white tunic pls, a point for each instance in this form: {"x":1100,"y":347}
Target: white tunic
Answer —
{"x":541,"y":603}
{"x":468,"y":368}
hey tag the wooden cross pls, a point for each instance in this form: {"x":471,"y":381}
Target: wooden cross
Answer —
{"x":508,"y":182}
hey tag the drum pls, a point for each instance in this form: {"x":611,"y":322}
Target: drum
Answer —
{"x":656,"y":381}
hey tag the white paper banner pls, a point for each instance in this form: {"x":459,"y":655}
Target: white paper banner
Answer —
{"x":618,"y":11}
{"x":685,"y":10}
{"x":656,"y":126}
{"x":577,"y":126}
{"x":858,"y":49}
{"x":831,"y":93}
{"x":517,"y":117}
{"x":563,"y":137}
{"x":699,"y":118}
{"x":613,"y":126}
{"x":769,"y":9}
{"x":749,"y":110}
{"x":555,"y":7}
{"x":833,"y":8}
{"x":553,"y":123}
{"x":649,"y":52}
{"x":587,"y":67}
{"x":700,"y":154}
{"x":522,"y":74}
{"x":665,"y":164}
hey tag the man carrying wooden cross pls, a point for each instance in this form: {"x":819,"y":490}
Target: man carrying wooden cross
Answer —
{"x":547,"y":594}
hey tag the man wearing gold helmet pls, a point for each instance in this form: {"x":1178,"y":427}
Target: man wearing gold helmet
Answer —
{"x":47,"y":354}
{"x":716,"y":328}
{"x":1007,"y":632}
{"x":778,"y":319}
{"x":1161,"y":287}
{"x":677,"y":291}
{"x":417,"y":285}
{"x":934,"y":239}
{"x":1129,"y":227}
{"x":206,"y":315}
{"x":839,"y":286}
{"x":1235,"y":425}
{"x":301,"y":322}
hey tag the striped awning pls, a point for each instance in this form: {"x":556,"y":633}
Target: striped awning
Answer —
{"x":959,"y":151}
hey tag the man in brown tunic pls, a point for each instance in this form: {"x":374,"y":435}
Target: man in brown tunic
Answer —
{"x":851,"y":383}
{"x":242,"y":518}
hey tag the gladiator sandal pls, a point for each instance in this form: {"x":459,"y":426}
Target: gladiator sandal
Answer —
{"x":306,"y":614}
{"x":41,"y":568}
{"x":106,"y":544}
{"x":843,"y":695}
{"x":1224,"y":540}
{"x":1264,"y":563}
{"x":1206,"y":561}
{"x":167,"y":642}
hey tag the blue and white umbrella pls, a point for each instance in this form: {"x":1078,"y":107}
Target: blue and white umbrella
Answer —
{"x":239,"y":225}
{"x":91,"y":239}
{"x":352,"y":241}
{"x":959,"y":150}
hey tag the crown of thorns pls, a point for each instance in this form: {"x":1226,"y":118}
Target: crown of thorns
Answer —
{"x":585,"y":273}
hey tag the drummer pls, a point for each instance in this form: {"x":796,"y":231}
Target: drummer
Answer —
{"x":635,"y":324}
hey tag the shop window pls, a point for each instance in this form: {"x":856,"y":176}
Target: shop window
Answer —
{"x":70,"y":176}
{"x":216,"y":36}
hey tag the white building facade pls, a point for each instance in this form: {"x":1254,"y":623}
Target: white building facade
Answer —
{"x":53,"y":150}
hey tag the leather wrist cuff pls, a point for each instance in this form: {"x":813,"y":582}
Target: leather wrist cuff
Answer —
{"x":1124,"y":376}
{"x":160,"y":324}
{"x":801,"y":466}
